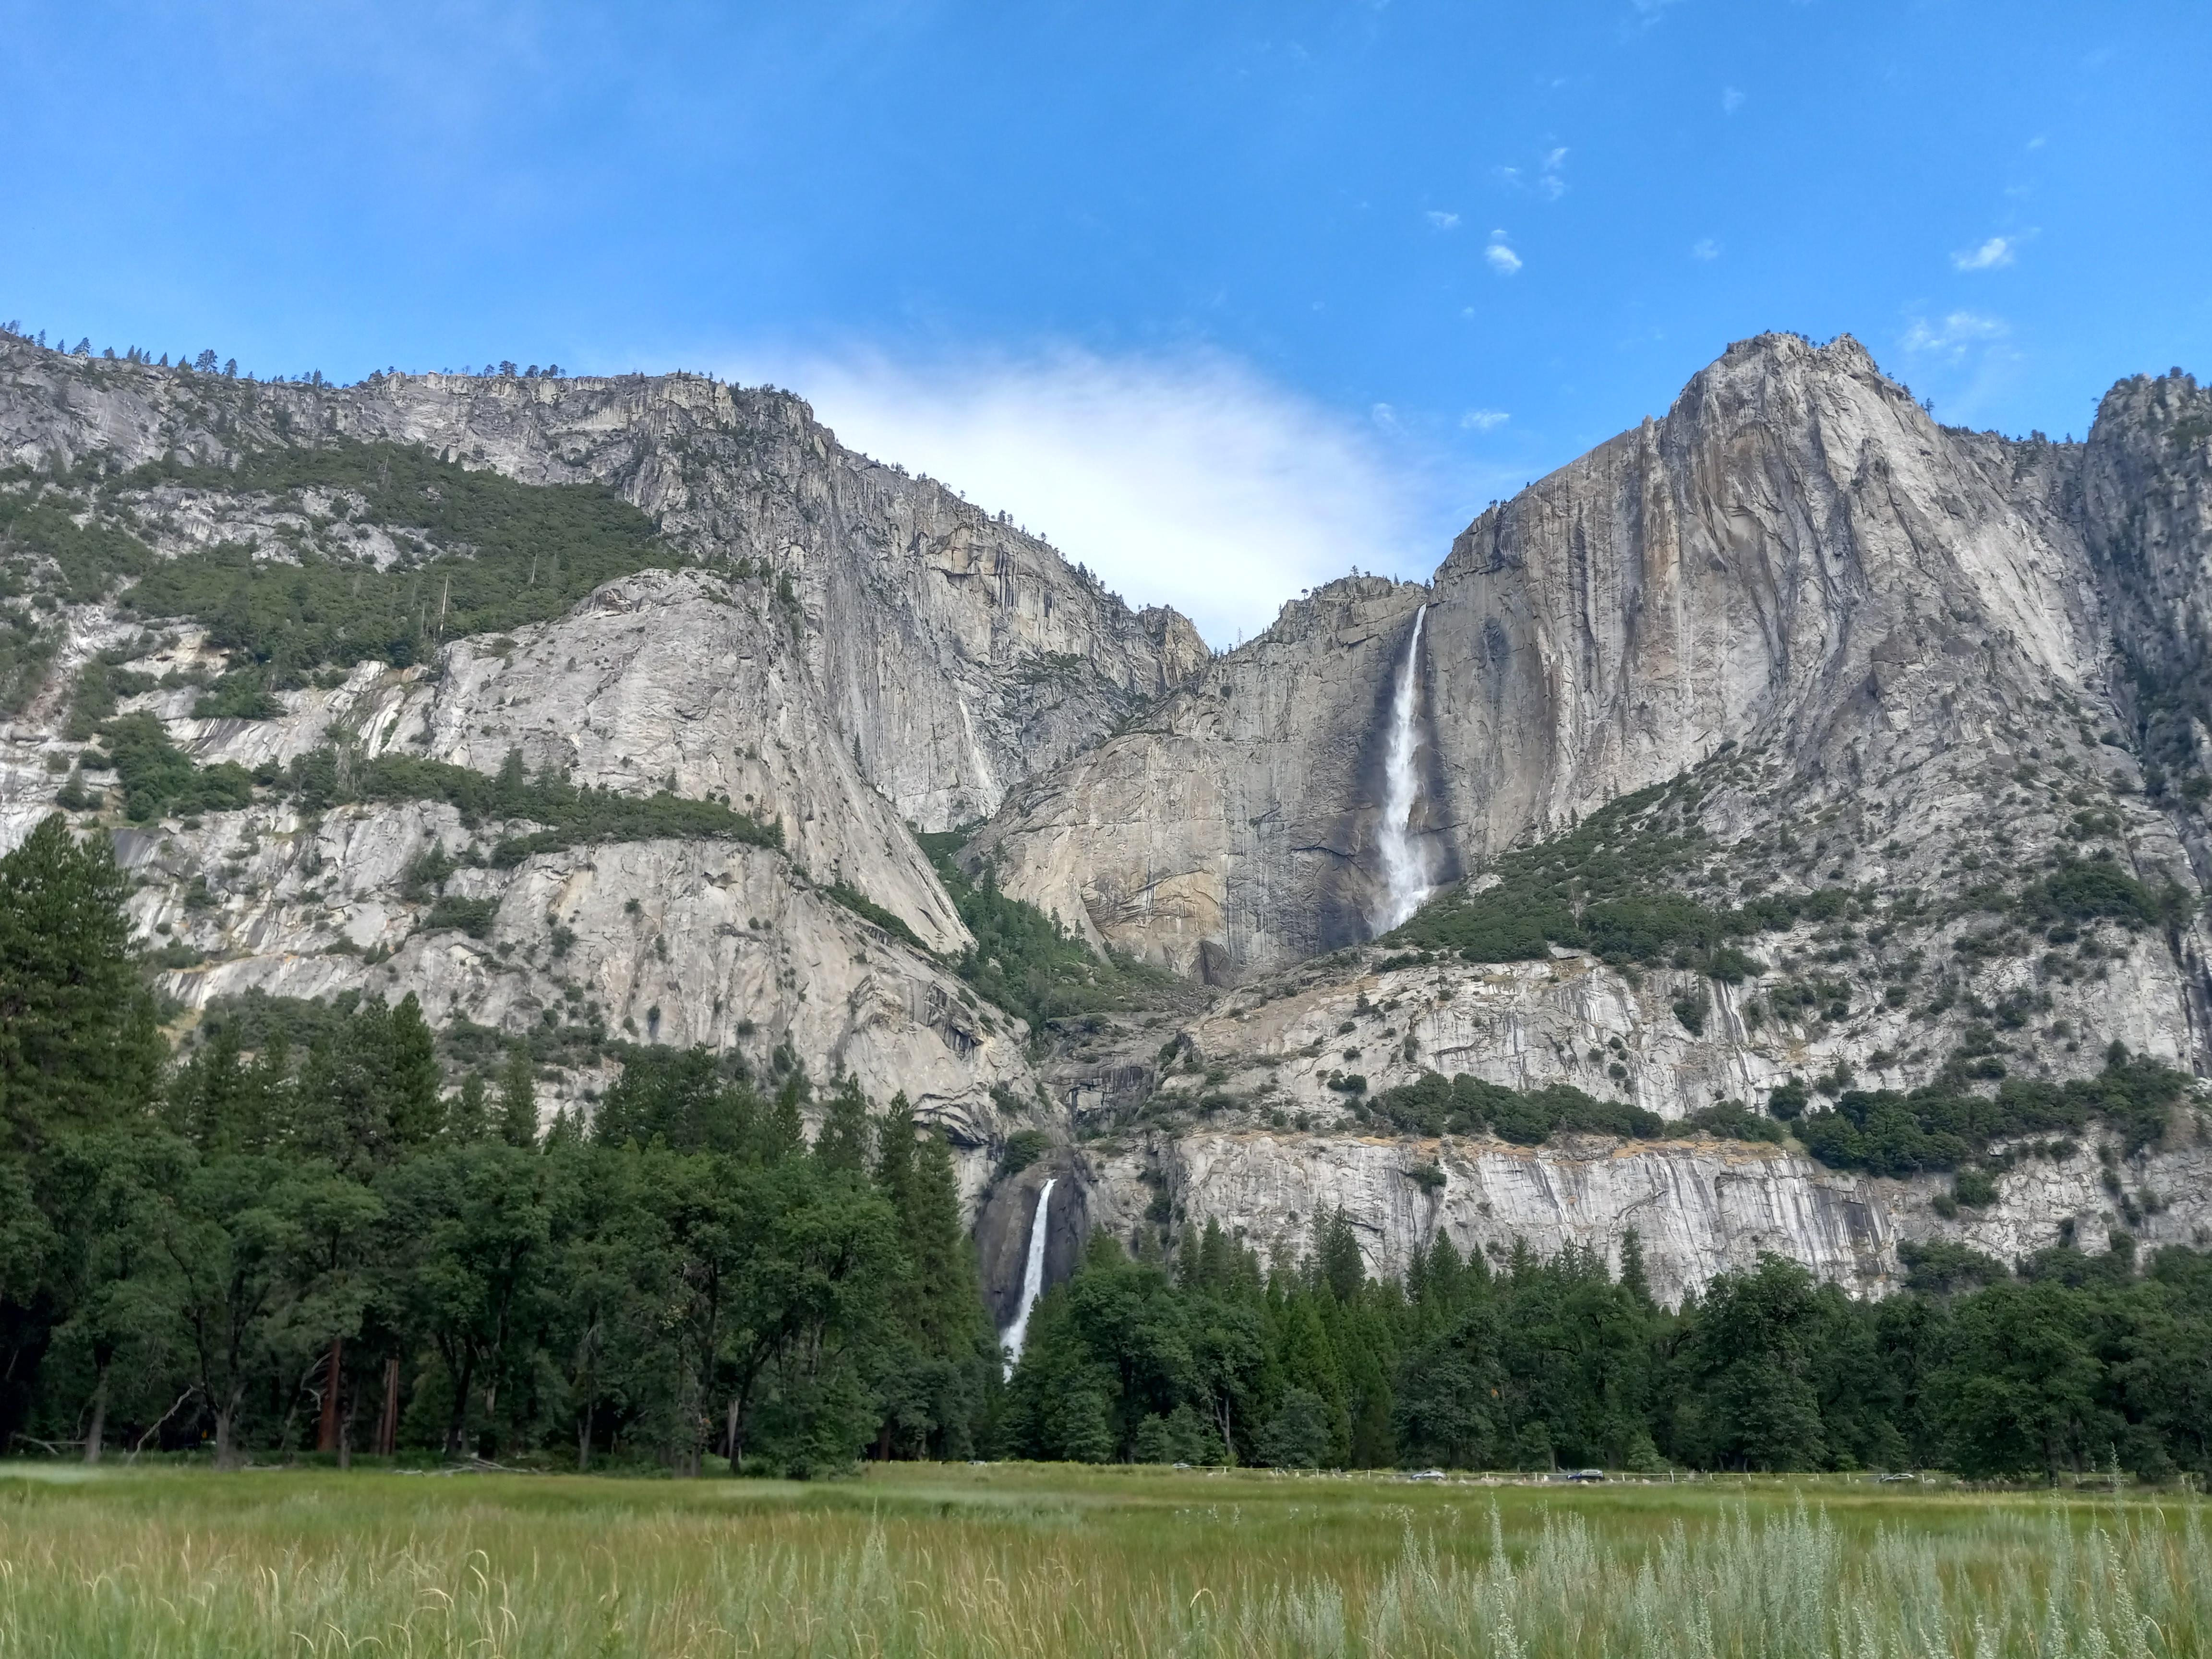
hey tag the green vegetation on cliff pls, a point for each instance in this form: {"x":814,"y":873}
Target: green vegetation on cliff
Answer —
{"x":1467,"y":1105}
{"x":1617,"y":884}
{"x":1027,"y":961}
{"x":573,"y":817}
{"x":482,"y":554}
{"x":1607,"y":886}
{"x":1943,"y":1124}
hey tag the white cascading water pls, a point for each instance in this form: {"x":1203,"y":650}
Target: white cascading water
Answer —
{"x":1405,"y":880}
{"x":1032,"y":1281}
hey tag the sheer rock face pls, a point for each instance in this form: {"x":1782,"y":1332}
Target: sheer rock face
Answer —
{"x":1797,"y":560}
{"x":1885,"y":656}
{"x":1236,"y":827}
{"x":677,"y":680}
{"x":899,"y":654}
{"x":674,"y":942}
{"x":952,"y":654}
{"x":1527,"y":1026}
{"x":1286,"y":1149}
{"x":2145,"y":494}
{"x":1699,"y":1208}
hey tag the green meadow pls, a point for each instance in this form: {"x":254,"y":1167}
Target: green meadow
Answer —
{"x":1033,"y":1561}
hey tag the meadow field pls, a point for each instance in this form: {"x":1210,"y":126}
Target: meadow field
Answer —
{"x":1034,"y":1560}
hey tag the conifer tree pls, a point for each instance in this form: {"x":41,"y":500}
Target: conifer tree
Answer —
{"x":78,"y":1042}
{"x":842,"y":1143}
{"x":518,"y":1101}
{"x":466,"y":1112}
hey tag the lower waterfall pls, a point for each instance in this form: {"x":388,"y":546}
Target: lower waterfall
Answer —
{"x":1407,"y":880}
{"x":1032,"y":1281}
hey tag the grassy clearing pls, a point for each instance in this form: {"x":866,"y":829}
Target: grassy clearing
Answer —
{"x":1035,"y":1560}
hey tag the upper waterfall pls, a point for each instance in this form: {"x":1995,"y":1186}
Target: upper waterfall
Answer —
{"x":1404,"y":871}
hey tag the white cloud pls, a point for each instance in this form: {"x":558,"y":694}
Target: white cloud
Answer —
{"x":1189,"y":481}
{"x":1952,"y":335}
{"x":1484,"y":420}
{"x":1731,"y":100}
{"x":1550,"y":181}
{"x":1442,"y":221}
{"x":1997,"y":250}
{"x":1704,"y":248}
{"x":1503,"y":259}
{"x":1648,"y":14}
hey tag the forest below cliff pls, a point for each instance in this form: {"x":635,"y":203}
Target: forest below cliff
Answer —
{"x":199,"y":1251}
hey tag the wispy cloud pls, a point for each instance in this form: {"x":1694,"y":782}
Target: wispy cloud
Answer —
{"x":1484,"y":420}
{"x":1997,"y":250}
{"x":1189,"y":480}
{"x":1704,"y":248}
{"x":1645,"y":15}
{"x":1503,"y":259}
{"x":1952,"y":335}
{"x":1440,"y":219}
{"x":1731,"y":100}
{"x":1547,"y":179}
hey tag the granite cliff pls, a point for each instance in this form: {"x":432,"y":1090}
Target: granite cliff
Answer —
{"x":1795,"y":562}
{"x":1887,"y":740}
{"x":1795,"y":653}
{"x":793,"y":631}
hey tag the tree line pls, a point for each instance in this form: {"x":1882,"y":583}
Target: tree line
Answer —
{"x":1530,"y":1362}
{"x":306,"y":1236}
{"x":281,"y":1250}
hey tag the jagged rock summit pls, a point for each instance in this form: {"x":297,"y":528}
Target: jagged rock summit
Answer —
{"x":1902,"y":694}
{"x":1796,"y":558}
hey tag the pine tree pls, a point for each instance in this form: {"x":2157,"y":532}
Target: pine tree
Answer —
{"x":466,"y":1112}
{"x":782,"y":1133}
{"x":842,"y":1142}
{"x":79,"y":1046}
{"x":1337,"y":1262}
{"x":518,"y":1101}
{"x":1297,"y":1436}
{"x":894,"y":1155}
{"x":220,"y":1104}
{"x":1633,"y":1277}
{"x":416,"y":1111}
{"x":936,"y":1244}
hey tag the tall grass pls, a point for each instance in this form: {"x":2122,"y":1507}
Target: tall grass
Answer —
{"x":312,"y":1566}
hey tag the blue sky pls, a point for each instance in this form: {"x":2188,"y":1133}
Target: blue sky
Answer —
{"x":1225,"y":298}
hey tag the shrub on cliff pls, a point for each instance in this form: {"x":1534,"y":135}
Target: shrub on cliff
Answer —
{"x":1467,"y":1105}
{"x":487,"y":555}
{"x":1943,"y":1124}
